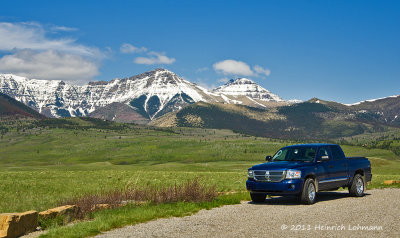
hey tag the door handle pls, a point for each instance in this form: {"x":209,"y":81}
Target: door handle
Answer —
{"x":330,"y":166}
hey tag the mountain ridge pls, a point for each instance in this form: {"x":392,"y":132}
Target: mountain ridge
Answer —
{"x":151,"y":94}
{"x":161,"y":98}
{"x":311,"y":120}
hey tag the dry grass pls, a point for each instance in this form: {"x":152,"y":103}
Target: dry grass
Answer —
{"x":190,"y":191}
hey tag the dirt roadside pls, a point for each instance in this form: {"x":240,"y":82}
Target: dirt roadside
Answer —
{"x":334,"y":215}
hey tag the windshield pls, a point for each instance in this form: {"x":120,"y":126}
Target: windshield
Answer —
{"x":295,"y":154}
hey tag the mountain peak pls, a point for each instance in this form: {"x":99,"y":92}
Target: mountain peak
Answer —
{"x":153,"y":73}
{"x":160,"y":70}
{"x":240,"y":81}
{"x":246,"y":87}
{"x":315,"y":100}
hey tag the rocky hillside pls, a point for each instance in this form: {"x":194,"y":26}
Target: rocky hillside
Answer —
{"x":315,"y":119}
{"x":119,"y":112}
{"x":11,"y":107}
{"x":382,"y":111}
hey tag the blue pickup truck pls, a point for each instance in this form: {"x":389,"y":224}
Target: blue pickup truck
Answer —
{"x":303,"y":170}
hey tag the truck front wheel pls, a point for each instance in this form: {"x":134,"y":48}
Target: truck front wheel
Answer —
{"x":258,"y":197}
{"x":358,"y":186}
{"x":309,"y":192}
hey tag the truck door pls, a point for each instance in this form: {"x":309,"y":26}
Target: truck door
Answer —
{"x":324,"y":169}
{"x":340,"y":167}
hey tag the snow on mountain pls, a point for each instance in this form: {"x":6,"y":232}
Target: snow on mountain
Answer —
{"x":151,"y":94}
{"x":46,"y":96}
{"x":246,"y":92}
{"x":294,"y":101}
{"x":248,"y":88}
{"x":152,"y":90}
{"x":371,"y":100}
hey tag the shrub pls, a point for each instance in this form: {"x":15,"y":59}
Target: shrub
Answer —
{"x":190,"y":191}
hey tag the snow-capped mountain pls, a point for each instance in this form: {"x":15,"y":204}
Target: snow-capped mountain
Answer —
{"x":151,"y":94}
{"x":246,"y":87}
{"x":247,"y":92}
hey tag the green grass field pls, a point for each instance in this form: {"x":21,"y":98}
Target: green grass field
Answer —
{"x":41,"y":166}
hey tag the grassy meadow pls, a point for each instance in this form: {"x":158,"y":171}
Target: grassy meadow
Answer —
{"x":44,"y":164}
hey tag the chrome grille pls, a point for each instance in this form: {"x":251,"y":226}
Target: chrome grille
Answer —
{"x":269,"y":175}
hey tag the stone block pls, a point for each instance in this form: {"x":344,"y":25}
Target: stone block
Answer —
{"x":17,"y":224}
{"x":67,"y":211}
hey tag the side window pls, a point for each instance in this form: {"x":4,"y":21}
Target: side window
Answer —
{"x":323,"y":152}
{"x":336,"y":153}
{"x":310,"y":153}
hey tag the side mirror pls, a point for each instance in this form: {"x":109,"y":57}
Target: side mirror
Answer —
{"x":268,"y":158}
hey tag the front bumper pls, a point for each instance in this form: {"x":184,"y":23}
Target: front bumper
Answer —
{"x":285,"y":187}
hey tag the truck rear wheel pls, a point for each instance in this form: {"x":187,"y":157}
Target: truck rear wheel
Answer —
{"x":357,"y":187}
{"x":309,"y":192}
{"x":258,"y":197}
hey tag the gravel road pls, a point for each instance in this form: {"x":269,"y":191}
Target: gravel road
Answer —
{"x":334,"y":215}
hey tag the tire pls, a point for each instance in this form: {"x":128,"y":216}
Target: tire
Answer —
{"x":309,"y":193}
{"x":357,"y":187}
{"x":258,"y":197}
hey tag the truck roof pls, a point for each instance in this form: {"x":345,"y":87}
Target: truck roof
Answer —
{"x":311,"y":144}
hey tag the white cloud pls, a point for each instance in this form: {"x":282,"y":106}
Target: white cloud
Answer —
{"x":63,"y":28}
{"x":260,"y":70}
{"x":154,"y":58}
{"x":234,"y":67}
{"x":229,"y":67}
{"x":127,"y":48}
{"x":31,"y":50}
{"x":49,"y":64}
{"x":31,"y":35}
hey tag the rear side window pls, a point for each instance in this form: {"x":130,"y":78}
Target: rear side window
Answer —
{"x":336,"y":153}
{"x":323,"y":152}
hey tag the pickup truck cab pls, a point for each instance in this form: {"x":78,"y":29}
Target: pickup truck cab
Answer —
{"x":303,"y":170}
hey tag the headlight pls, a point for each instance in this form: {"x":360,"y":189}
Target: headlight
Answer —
{"x":293,"y":174}
{"x":250,"y":173}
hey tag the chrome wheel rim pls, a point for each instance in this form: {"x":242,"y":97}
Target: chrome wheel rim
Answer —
{"x":311,"y":192}
{"x":360,"y":186}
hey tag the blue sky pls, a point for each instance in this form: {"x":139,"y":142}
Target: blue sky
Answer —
{"x":344,"y":51}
